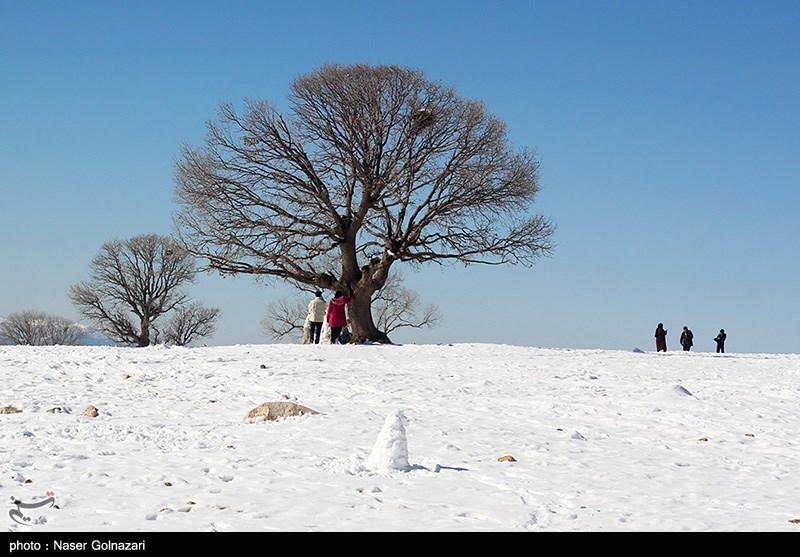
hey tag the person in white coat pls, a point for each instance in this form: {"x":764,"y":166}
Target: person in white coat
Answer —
{"x":316,"y":315}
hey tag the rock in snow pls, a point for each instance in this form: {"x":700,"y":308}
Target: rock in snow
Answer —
{"x":91,"y":411}
{"x":390,"y":452}
{"x":9,"y":410}
{"x":277,"y":410}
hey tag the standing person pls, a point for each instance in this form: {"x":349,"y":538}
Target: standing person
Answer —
{"x":336,"y":316}
{"x":720,"y":340}
{"x":686,"y":339}
{"x":316,"y":314}
{"x":661,"y":338}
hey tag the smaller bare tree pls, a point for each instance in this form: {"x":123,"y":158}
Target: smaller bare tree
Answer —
{"x":284,"y":318}
{"x":133,"y":283}
{"x":397,"y":306}
{"x":35,"y":328}
{"x":190,"y":323}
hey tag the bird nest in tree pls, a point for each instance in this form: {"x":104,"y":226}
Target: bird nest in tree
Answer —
{"x":422,"y":118}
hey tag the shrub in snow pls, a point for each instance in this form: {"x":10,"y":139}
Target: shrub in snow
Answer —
{"x":390,"y":452}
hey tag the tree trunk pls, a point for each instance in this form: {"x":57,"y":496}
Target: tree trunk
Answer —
{"x":361,"y":288}
{"x":144,"y":337}
{"x":360,"y":319}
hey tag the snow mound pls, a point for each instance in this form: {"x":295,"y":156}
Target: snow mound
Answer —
{"x":680,"y":390}
{"x":674,"y":392}
{"x":390,"y":452}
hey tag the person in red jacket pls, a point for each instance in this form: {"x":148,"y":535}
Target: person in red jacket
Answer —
{"x":336,"y":316}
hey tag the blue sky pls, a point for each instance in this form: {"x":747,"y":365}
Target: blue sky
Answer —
{"x":668,"y":133}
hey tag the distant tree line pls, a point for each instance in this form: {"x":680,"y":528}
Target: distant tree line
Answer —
{"x":35,"y":328}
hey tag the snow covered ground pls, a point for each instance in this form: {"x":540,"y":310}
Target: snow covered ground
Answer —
{"x":602,"y":440}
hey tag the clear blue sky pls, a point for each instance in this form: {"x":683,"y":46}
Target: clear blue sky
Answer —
{"x":669,"y":134}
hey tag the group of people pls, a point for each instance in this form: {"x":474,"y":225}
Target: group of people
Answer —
{"x":686,"y":340}
{"x":332,"y":313}
{"x":335,"y":315}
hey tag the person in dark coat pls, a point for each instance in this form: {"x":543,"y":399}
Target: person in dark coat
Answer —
{"x":661,"y":338}
{"x":336,"y":316}
{"x":720,"y":340}
{"x":687,"y":339}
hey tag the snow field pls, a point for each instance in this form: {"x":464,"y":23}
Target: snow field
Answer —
{"x":408,"y":438}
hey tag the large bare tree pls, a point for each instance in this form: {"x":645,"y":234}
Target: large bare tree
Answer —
{"x":39,"y":329}
{"x":133,"y":283}
{"x":369,"y":165}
